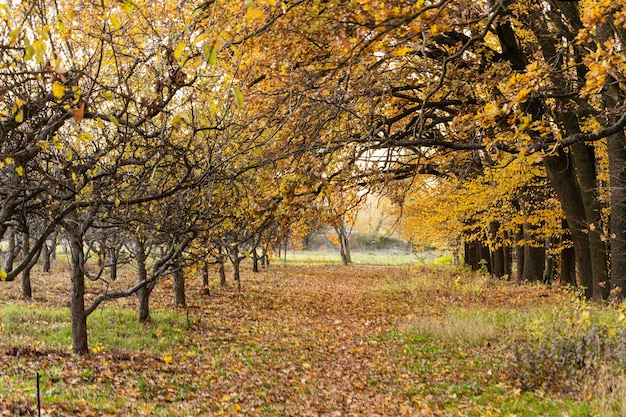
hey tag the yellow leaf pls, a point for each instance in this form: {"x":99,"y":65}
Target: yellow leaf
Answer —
{"x":58,"y":90}
{"x":238,"y":97}
{"x":402,"y":51}
{"x":127,"y":7}
{"x":117,"y":204}
{"x":178,"y":52}
{"x":176,"y":120}
{"x":167,"y":359}
{"x":20,"y":170}
{"x":3,"y":276}
{"x":115,"y":21}
{"x":253,"y":13}
{"x":19,"y":116}
{"x":199,"y":39}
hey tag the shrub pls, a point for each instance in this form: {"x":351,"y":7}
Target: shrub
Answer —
{"x":570,"y":355}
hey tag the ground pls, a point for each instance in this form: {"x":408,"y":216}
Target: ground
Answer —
{"x":297,"y":340}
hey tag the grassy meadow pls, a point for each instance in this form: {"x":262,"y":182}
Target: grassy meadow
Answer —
{"x":319,"y":339}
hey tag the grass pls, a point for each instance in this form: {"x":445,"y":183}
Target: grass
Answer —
{"x":425,"y":340}
{"x":389,"y":258}
{"x":109,"y":327}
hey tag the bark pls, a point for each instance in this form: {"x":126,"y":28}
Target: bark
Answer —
{"x":584,"y":164}
{"x":27,"y":290}
{"x":53,"y":246}
{"x":567,"y":267}
{"x":179,"y":285}
{"x":205,"y":278}
{"x":222,"y":269}
{"x":264,"y":258}
{"x":222,"y":273}
{"x":472,"y":255}
{"x":560,"y":172}
{"x":45,"y":255}
{"x":113,"y":255}
{"x":255,"y":261}
{"x":508,"y":261}
{"x":485,"y":257}
{"x":548,"y":275}
{"x":344,"y":244}
{"x":237,"y":270}
{"x":617,"y":170}
{"x":9,"y":257}
{"x":497,"y":255}
{"x":77,"y":301}
{"x":143,"y":294}
{"x":534,"y":257}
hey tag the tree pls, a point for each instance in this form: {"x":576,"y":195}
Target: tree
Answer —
{"x":426,"y":83}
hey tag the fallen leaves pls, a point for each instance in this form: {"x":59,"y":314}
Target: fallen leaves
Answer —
{"x":297,"y":341}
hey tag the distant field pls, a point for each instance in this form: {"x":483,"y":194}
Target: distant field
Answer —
{"x":360,"y":257}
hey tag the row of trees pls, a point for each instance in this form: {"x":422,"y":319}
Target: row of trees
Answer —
{"x":127,"y":135}
{"x":512,"y":112}
{"x":229,"y":125}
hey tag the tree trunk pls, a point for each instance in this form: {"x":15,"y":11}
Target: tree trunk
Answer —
{"x":585,"y":167}
{"x":53,"y":246}
{"x":112,"y":254}
{"x":617,"y":169}
{"x":471,"y":255}
{"x":77,"y":301}
{"x":548,"y":275}
{"x":179,"y":285}
{"x":45,"y":254}
{"x":222,"y":273}
{"x":236,"y":270}
{"x":344,"y":245}
{"x":205,"y":278}
{"x":508,"y":261}
{"x":485,"y":258}
{"x":142,"y":274}
{"x":266,"y":256}
{"x":255,"y":260}
{"x":497,"y":254}
{"x":27,"y":290}
{"x":263,"y":257}
{"x":9,"y":257}
{"x":102,"y":253}
{"x":561,"y":175}
{"x":567,"y":267}
{"x":534,"y":257}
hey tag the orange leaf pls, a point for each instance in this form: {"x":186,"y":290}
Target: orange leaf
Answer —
{"x":79,"y":112}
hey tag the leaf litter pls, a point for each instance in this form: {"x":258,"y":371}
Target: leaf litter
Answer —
{"x":302,"y":340}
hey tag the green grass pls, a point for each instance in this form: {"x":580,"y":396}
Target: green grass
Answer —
{"x":359,"y":258}
{"x":108,"y":327}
